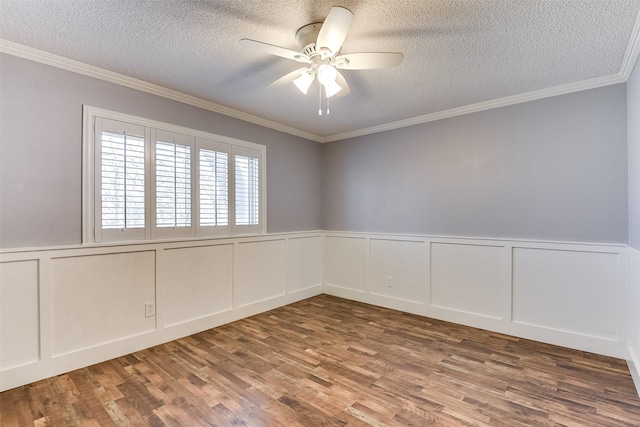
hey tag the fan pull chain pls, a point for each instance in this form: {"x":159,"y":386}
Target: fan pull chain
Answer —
{"x":320,"y":102}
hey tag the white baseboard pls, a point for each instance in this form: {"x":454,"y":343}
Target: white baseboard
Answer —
{"x":563,"y":293}
{"x":504,"y":326}
{"x":62,"y":299}
{"x":634,"y":368}
{"x":634,"y":316}
{"x":26,"y":374}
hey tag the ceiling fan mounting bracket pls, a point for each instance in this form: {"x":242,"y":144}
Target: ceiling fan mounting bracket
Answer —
{"x":306,"y":37}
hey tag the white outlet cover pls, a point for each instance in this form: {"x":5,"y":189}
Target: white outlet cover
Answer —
{"x":149,"y":309}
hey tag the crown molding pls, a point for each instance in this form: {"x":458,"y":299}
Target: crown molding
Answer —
{"x":482,"y":106}
{"x":78,"y":67}
{"x":633,"y":51}
{"x":629,"y":61}
{"x":630,"y":58}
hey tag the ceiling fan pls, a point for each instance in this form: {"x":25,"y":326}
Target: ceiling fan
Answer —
{"x":320,"y":47}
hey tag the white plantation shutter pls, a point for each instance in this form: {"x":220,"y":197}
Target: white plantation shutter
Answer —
{"x":121,"y":181}
{"x":213,"y":187}
{"x":247,"y":191}
{"x":145,"y":180}
{"x":172,"y":184}
{"x":247,"y":173}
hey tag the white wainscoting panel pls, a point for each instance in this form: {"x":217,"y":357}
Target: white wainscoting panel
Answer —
{"x":304,"y":263}
{"x":19,"y":314}
{"x":567,"y":290}
{"x":468,"y":278}
{"x":346,"y":262}
{"x":399,"y":269}
{"x":197,"y":282}
{"x":258,"y":271}
{"x":563,"y":293}
{"x":73,"y":306}
{"x":634,"y":315}
{"x":100,"y":298}
{"x":68,"y":307}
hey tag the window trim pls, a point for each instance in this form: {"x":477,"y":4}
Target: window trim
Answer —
{"x":89,"y":168}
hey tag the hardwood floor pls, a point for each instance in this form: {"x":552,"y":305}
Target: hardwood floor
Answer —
{"x":329,"y":361}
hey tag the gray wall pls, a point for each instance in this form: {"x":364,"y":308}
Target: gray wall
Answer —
{"x":633,"y":123}
{"x":551,"y":169}
{"x":41,"y":153}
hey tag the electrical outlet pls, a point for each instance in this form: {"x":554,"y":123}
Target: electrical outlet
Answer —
{"x":150,"y":309}
{"x":389,"y":282}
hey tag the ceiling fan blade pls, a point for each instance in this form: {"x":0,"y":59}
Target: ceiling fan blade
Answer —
{"x":368,"y":61}
{"x":287,"y":78}
{"x":343,"y":84}
{"x":334,"y":29}
{"x":275,"y":50}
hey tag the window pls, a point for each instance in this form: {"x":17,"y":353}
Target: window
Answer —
{"x":172,"y":184}
{"x":120,"y":181}
{"x":214,"y":187}
{"x":147,"y":180}
{"x":247,"y":188}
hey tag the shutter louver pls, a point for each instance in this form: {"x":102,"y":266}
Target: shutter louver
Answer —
{"x":214,"y":188}
{"x":247,"y":190}
{"x":173,"y":185}
{"x":122,"y":181}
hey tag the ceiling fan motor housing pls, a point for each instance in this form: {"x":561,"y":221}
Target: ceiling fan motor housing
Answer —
{"x":306,"y":39}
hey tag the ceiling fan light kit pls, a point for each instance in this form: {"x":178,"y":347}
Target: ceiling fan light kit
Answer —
{"x":331,"y":88}
{"x":327,"y":74}
{"x":304,"y":81}
{"x":320,"y":45}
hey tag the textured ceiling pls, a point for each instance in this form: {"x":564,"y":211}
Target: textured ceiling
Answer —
{"x":456,"y":53}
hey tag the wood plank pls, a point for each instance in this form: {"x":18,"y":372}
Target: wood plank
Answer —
{"x":330,"y":361}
